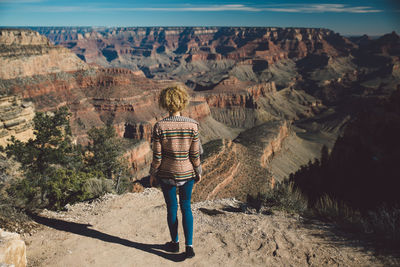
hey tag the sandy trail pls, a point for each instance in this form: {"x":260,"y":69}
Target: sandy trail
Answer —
{"x":130,"y":230}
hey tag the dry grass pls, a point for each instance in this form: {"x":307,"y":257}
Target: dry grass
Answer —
{"x":381,"y":224}
{"x":384,"y":223}
{"x":328,"y":208}
{"x":284,"y":196}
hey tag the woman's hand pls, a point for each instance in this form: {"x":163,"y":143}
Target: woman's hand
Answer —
{"x":153,"y":180}
{"x":197,"y":178}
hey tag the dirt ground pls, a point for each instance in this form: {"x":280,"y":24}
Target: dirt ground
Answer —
{"x":131,"y":230}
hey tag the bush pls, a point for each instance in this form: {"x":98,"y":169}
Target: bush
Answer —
{"x":55,"y":170}
{"x":67,"y":187}
{"x":97,"y":187}
{"x":51,"y":146}
{"x":384,"y":223}
{"x":327,"y":208}
{"x":282,"y":197}
{"x":13,"y":219}
{"x":123,"y":183}
{"x":56,"y":189}
{"x":104,"y":151}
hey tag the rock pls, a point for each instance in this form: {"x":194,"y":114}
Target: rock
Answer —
{"x":22,"y":37}
{"x":12,"y":250}
{"x":16,"y":118}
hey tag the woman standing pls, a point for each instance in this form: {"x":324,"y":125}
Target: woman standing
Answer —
{"x":176,"y":163}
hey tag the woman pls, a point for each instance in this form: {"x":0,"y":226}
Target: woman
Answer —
{"x":176,"y":163}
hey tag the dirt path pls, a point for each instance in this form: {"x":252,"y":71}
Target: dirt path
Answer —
{"x":130,"y":230}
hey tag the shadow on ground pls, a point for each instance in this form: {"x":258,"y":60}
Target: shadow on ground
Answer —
{"x":340,"y":236}
{"x":84,"y":230}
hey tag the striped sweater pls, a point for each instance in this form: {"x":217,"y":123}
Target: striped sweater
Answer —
{"x":176,"y":149}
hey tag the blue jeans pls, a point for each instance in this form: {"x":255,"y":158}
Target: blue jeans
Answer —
{"x":185,"y":195}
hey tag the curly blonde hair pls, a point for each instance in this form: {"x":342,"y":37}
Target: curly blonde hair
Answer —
{"x":173,"y":99}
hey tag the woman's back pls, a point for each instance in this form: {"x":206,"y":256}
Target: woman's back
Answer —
{"x":176,"y":148}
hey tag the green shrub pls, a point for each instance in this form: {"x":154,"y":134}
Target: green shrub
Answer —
{"x":67,"y":187}
{"x":97,"y":187}
{"x":282,"y":197}
{"x":56,"y":172}
{"x":51,"y":146}
{"x":57,"y":188}
{"x":104,"y":151}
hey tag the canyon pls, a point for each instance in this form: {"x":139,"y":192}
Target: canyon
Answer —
{"x":267,"y":99}
{"x":202,"y":56}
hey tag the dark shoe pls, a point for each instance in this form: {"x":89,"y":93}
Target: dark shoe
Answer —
{"x":189,"y":252}
{"x":172,"y":246}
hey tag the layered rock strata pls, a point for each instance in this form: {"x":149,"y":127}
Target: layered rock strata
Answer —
{"x":15,"y":119}
{"x":198,"y":43}
{"x":202,"y":56}
{"x":239,"y":167}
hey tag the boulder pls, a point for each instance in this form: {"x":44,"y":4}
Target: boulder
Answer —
{"x":12,"y":249}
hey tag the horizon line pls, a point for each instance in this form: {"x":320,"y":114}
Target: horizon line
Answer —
{"x":159,"y":26}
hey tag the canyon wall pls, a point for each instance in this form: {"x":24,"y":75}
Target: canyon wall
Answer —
{"x":241,"y":166}
{"x":26,"y":53}
{"x":200,"y":56}
{"x":198,"y":43}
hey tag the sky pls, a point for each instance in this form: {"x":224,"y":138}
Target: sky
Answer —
{"x":351,"y":17}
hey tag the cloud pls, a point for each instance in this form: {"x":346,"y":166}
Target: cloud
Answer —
{"x":210,"y":8}
{"x":19,"y":1}
{"x":295,"y":8}
{"x":322,"y":8}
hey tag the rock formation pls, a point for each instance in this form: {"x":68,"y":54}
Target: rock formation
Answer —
{"x":12,"y":249}
{"x":15,"y":119}
{"x":241,"y":165}
{"x":139,"y":158}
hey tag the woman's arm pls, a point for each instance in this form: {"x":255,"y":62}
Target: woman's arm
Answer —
{"x":194,"y":154}
{"x":156,"y":146}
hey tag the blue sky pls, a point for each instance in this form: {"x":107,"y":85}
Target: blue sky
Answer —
{"x":374,"y":17}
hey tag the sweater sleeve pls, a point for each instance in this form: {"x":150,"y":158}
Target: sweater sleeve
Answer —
{"x":194,"y":152}
{"x":157,"y":150}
